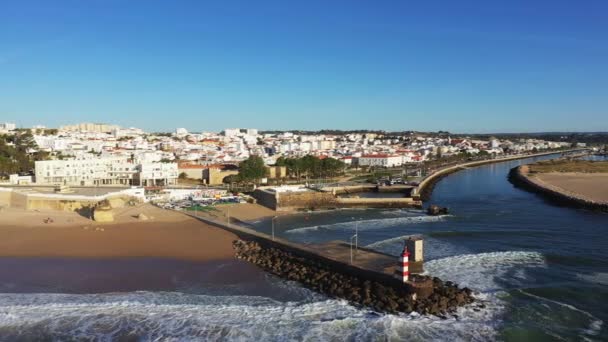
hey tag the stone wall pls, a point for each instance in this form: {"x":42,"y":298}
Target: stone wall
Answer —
{"x":214,"y":176}
{"x":58,"y":204}
{"x":305,"y":200}
{"x":5,"y":197}
{"x":519,"y":177}
{"x":265,"y":198}
{"x":192,"y":173}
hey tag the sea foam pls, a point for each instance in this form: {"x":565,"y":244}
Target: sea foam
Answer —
{"x":370,"y":224}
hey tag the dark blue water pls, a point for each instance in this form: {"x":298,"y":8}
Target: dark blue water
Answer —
{"x":542,"y":268}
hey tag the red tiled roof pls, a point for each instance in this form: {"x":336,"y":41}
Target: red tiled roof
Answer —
{"x":378,"y":156}
{"x":190,"y":166}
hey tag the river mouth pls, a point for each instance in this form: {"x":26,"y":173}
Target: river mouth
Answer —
{"x":540,"y":267}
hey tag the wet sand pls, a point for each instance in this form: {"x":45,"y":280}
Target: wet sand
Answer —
{"x":591,"y":186}
{"x":78,"y":275}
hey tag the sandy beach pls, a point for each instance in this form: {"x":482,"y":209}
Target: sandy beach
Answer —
{"x":245,"y":212}
{"x":165,"y":234}
{"x":591,"y":186}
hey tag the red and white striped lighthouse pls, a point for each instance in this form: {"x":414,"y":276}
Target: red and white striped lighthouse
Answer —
{"x":403,"y":269}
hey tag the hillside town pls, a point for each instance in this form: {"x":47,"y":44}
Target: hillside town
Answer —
{"x":91,"y":154}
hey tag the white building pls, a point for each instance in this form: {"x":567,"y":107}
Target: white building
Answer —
{"x":127,"y":132}
{"x":181,"y":132}
{"x":104,"y":171}
{"x":15,"y":179}
{"x":155,"y":174}
{"x":382,"y":160}
{"x":7,"y":126}
{"x":232,"y":132}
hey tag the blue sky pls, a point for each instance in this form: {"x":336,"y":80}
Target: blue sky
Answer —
{"x":462,"y":66}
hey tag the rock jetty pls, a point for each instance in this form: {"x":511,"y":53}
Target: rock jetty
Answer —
{"x":435,"y":210}
{"x":434,"y":297}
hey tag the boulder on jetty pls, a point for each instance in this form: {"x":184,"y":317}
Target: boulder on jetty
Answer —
{"x":103,"y":212}
{"x":435,"y":210}
{"x":423,"y":294}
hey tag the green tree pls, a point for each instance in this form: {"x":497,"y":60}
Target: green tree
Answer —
{"x":252,"y":169}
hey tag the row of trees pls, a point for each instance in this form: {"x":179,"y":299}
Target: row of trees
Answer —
{"x":253,"y":169}
{"x":311,"y":166}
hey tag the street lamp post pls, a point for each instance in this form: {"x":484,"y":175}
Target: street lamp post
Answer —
{"x":356,"y":238}
{"x":357,"y":235}
{"x":274,"y":218}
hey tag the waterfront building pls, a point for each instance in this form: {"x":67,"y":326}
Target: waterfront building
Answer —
{"x":381,"y":160}
{"x":104,"y":171}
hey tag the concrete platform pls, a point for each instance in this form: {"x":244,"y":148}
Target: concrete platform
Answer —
{"x":362,"y":257}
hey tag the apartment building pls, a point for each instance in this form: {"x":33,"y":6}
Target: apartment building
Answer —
{"x":104,"y":171}
{"x":381,"y":160}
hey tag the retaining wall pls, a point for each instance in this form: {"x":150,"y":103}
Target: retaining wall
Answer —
{"x":288,"y":201}
{"x":425,"y":187}
{"x":305,"y":199}
{"x":265,"y":198}
{"x":519,"y":177}
{"x":5,"y":197}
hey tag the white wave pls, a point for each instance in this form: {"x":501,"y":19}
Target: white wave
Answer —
{"x":175,"y":316}
{"x":595,"y":325}
{"x":483,"y":271}
{"x":398,"y":239}
{"x":597,"y":278}
{"x":400,"y":212}
{"x":433,"y":248}
{"x":371,"y":224}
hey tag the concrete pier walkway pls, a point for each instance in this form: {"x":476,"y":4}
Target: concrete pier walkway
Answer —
{"x":370,"y":262}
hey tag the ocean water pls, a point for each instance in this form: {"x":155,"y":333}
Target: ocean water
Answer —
{"x":541,"y":270}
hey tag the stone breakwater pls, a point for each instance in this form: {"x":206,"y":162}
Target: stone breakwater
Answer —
{"x":424,"y":294}
{"x":518,"y":176}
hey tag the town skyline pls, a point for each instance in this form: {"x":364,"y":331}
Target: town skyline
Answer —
{"x":40,"y":124}
{"x":464,"y":67}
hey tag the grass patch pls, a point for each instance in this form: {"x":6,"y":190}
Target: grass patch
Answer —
{"x":207,"y":208}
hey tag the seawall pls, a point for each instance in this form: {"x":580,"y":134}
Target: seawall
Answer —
{"x":23,"y":198}
{"x":519,"y":177}
{"x":426,"y":186}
